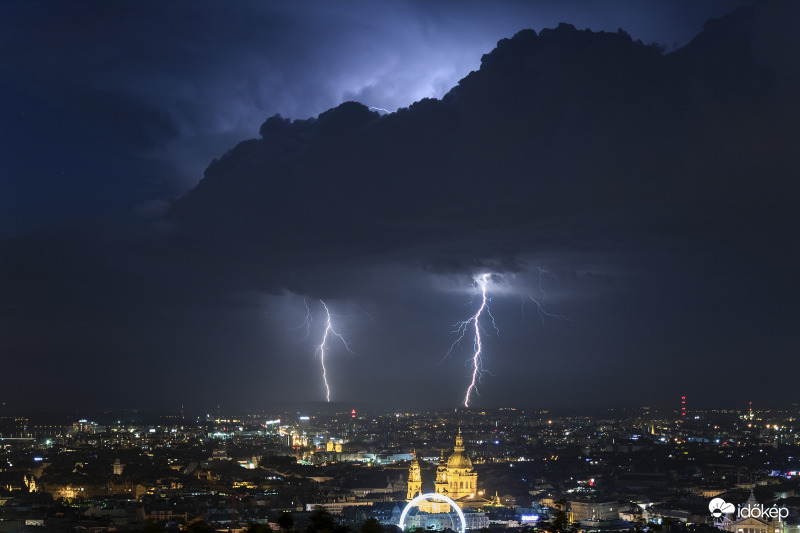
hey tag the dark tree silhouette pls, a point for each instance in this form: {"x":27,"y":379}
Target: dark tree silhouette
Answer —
{"x":199,"y":527}
{"x":321,"y":522}
{"x":286,"y":521}
{"x":371,"y":525}
{"x":560,"y":522}
{"x":258,"y":528}
{"x":152,"y":527}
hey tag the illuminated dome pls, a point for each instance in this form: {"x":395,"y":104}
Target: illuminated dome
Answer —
{"x":458,"y":459}
{"x":456,"y":479}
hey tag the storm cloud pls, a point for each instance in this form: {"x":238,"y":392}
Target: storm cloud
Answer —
{"x":648,"y":194}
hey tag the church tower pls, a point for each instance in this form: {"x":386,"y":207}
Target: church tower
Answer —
{"x":455,"y":478}
{"x":414,"y":479}
{"x":440,"y":485}
{"x":462,"y":480}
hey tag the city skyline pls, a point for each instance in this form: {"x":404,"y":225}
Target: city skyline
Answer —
{"x":500,"y":470}
{"x":623,"y":202}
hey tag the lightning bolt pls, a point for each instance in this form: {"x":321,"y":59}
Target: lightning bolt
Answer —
{"x":321,"y":348}
{"x":473,"y":322}
{"x":540,"y":303}
{"x":307,"y":321}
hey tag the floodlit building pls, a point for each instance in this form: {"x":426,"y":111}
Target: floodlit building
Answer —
{"x":457,"y":479}
{"x":594,"y":510}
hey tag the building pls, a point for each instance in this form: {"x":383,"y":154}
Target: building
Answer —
{"x":414,"y":479}
{"x":455,"y":478}
{"x":752,"y":522}
{"x":593,"y":510}
{"x":458,"y":480}
{"x":334,"y":446}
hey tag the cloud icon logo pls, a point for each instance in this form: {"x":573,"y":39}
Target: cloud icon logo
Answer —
{"x":719,"y":507}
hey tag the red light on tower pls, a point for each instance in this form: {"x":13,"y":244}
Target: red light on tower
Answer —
{"x":683,"y":405}
{"x":353,"y":413}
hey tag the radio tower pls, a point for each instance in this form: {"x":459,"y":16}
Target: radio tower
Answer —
{"x":683,"y":406}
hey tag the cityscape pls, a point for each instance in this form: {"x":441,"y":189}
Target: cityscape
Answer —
{"x":486,"y":266}
{"x":634,"y":469}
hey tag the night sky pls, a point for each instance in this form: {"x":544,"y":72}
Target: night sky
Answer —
{"x":184,"y":182}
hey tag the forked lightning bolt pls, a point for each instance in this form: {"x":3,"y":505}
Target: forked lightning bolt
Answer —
{"x":321,"y":348}
{"x":539,"y":303}
{"x":543,"y":313}
{"x":307,"y":322}
{"x":474,"y":322}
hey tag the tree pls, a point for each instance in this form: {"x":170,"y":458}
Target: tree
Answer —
{"x":321,"y":521}
{"x":371,"y":525}
{"x":286,"y":521}
{"x":152,"y":527}
{"x":560,"y":522}
{"x":643,"y":525}
{"x":258,"y":528}
{"x":199,"y":527}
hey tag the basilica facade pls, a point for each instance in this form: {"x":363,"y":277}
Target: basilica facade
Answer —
{"x":455,"y":478}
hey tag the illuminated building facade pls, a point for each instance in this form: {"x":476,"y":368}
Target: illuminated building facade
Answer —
{"x":459,"y":479}
{"x":414,"y":480}
{"x":455,"y":478}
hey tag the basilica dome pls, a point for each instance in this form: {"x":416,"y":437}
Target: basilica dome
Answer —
{"x":458,"y":459}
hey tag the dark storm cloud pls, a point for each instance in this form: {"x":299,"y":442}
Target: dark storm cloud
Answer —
{"x":565,"y":142}
{"x":567,"y":134}
{"x":159,"y":89}
{"x":648,"y":196}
